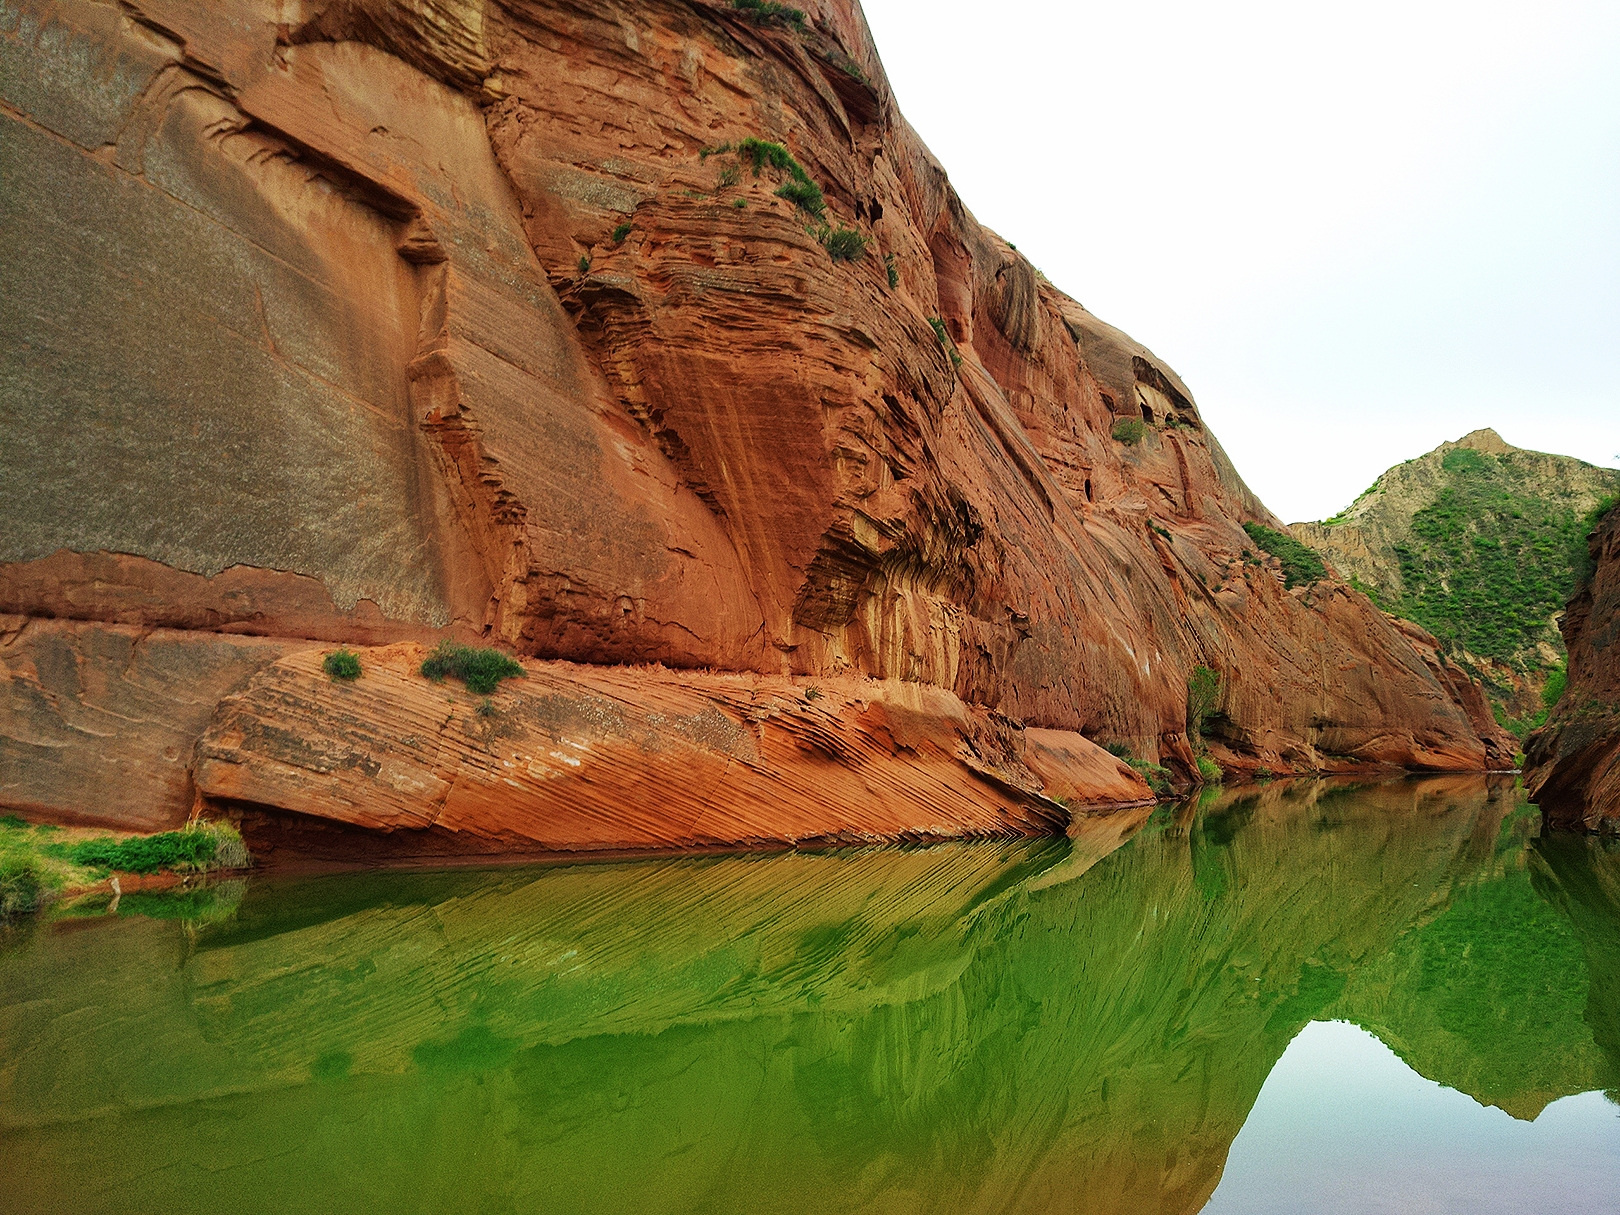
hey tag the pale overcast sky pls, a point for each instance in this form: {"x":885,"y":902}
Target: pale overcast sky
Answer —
{"x":1355,"y":230}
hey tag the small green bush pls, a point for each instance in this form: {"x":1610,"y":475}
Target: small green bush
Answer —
{"x":944,"y":337}
{"x":1129,"y":431}
{"x":619,"y":233}
{"x":769,"y":12}
{"x":844,"y":244}
{"x":1300,"y":563}
{"x":22,"y":884}
{"x":805,"y":195}
{"x":15,"y":823}
{"x":891,"y":270}
{"x":739,"y":203}
{"x":762,"y":152}
{"x":1209,"y":771}
{"x":342,"y":664}
{"x":728,"y":177}
{"x":480,"y":669}
{"x":584,"y":264}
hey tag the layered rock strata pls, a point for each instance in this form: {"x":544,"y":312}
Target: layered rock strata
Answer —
{"x":571,"y":757}
{"x":1572,"y":764}
{"x":345,"y":321}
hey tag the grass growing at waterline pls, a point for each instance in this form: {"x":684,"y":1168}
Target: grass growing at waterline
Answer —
{"x":1157,"y":777}
{"x":38,"y":863}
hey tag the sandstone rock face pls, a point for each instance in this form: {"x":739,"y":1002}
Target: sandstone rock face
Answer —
{"x":573,"y":758}
{"x":1572,"y":764}
{"x":98,"y":724}
{"x":354,"y":321}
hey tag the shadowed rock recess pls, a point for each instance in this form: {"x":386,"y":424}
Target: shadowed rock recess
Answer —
{"x":369,"y":323}
{"x":1572,"y":764}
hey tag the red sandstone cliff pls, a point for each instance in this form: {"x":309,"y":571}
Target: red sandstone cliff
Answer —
{"x":357,"y":321}
{"x":1572,"y":764}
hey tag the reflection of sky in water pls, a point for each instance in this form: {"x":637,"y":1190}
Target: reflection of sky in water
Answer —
{"x":1343,"y":1125}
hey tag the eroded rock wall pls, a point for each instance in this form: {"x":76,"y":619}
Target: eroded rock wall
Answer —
{"x":350,"y":321}
{"x":1572,"y":764}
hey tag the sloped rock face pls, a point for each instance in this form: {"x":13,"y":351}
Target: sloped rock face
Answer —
{"x":353,"y":321}
{"x":1572,"y":764}
{"x":571,"y":758}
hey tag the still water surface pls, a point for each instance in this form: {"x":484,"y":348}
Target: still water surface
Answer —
{"x":1303,"y":999}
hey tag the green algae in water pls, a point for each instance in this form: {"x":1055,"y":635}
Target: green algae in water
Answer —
{"x":1000,"y":1027}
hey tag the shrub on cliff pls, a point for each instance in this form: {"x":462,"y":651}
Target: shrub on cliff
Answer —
{"x":1301,"y":564}
{"x":342,"y":664}
{"x":1210,"y":772}
{"x":762,"y":152}
{"x":805,"y":195}
{"x":1130,"y":431}
{"x":844,"y":244}
{"x":769,"y":12}
{"x":480,"y":669}
{"x":945,"y":341}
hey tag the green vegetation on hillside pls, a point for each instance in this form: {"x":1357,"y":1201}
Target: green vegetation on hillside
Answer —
{"x":1490,"y":560}
{"x":1301,"y":564}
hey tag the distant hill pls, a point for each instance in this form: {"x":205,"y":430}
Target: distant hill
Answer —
{"x":1481,"y":543}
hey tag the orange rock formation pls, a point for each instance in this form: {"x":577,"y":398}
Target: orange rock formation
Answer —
{"x":486,"y":316}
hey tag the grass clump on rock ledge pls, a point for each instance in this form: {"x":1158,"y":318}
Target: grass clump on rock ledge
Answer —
{"x":844,"y":244}
{"x":342,"y":664}
{"x":769,"y":12}
{"x":481,"y":669}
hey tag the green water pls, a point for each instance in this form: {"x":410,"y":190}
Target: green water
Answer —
{"x":1079,"y":1025}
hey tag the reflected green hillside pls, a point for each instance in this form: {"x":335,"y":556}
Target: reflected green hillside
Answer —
{"x":1073,"y":1026}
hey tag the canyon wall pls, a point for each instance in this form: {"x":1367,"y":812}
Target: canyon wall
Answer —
{"x":342,"y":321}
{"x":1572,"y":764}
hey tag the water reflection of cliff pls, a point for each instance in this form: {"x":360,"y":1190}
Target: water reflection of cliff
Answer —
{"x":1071,"y":1027}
